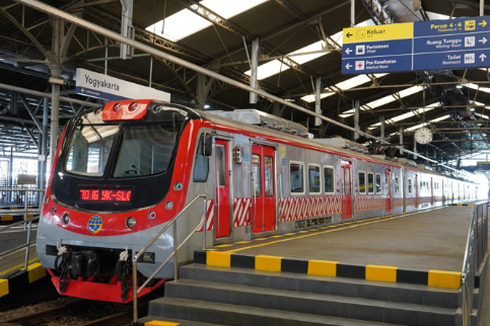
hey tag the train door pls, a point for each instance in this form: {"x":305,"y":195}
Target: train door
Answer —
{"x":387,"y":186}
{"x":347,"y":194}
{"x":416,"y":187}
{"x":264,"y":195}
{"x":222,"y":215}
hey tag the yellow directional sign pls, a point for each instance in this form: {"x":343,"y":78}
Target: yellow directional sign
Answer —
{"x":378,"y":33}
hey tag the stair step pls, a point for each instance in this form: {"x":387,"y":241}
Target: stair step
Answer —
{"x":347,"y":287}
{"x":232,"y":315}
{"x":145,"y":321}
{"x":308,"y":303}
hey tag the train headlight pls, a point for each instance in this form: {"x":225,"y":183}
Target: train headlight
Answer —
{"x":133,"y":106}
{"x":152,"y":215}
{"x":116,"y":107}
{"x":130,"y":222}
{"x":53,"y":210}
{"x":66,"y":218}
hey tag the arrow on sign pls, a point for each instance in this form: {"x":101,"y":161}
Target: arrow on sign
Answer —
{"x":348,"y":66}
{"x":483,"y":23}
{"x":348,"y":51}
{"x":349,"y":35}
{"x":483,"y":57}
{"x":483,"y":40}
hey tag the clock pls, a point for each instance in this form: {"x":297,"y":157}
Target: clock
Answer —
{"x":423,"y":135}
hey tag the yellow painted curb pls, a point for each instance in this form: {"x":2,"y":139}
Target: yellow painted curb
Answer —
{"x":268,"y":263}
{"x":6,"y":218}
{"x":4,"y":287}
{"x":218,"y":258}
{"x":381,"y":273}
{"x":323,"y":268}
{"x":36,"y":271}
{"x":160,"y":323}
{"x":444,"y":279}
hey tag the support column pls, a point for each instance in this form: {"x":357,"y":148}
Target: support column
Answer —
{"x":55,"y":107}
{"x":43,"y":147}
{"x":254,"y":64}
{"x":352,"y":13}
{"x":482,"y":7}
{"x":401,"y":140}
{"x":382,"y":127}
{"x":414,"y":148}
{"x":357,"y":109}
{"x":127,"y":29}
{"x":318,"y":100}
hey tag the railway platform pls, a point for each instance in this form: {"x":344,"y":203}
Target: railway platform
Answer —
{"x":396,"y":270}
{"x":22,"y":278}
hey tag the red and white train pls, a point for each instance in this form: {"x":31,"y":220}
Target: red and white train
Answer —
{"x":123,"y":172}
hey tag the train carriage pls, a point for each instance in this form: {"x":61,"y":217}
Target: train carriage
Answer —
{"x":124,"y":172}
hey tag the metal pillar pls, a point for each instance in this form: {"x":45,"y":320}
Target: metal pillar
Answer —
{"x":43,"y":146}
{"x":318,"y":100}
{"x":352,"y":13}
{"x":414,"y":148}
{"x":357,"y":108}
{"x":55,"y":107}
{"x":127,"y":29}
{"x":482,"y":7}
{"x":401,"y":140}
{"x":254,"y":65}
{"x":382,"y":136}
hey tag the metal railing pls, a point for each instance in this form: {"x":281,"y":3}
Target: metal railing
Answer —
{"x":28,"y":243}
{"x":476,"y":249}
{"x":21,"y":197}
{"x":172,"y":223}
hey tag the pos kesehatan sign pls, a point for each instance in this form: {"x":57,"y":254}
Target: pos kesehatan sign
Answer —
{"x":97,"y":85}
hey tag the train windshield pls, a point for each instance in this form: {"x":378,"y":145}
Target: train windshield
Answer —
{"x":145,"y":150}
{"x":136,"y":150}
{"x":90,"y":147}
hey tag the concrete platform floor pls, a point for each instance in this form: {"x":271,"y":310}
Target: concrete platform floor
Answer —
{"x":433,"y":239}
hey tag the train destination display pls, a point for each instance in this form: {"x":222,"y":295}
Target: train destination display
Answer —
{"x":429,"y":45}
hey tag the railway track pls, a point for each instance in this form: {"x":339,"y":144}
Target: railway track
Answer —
{"x":70,"y":314}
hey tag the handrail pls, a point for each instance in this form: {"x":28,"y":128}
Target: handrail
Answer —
{"x":173,"y":223}
{"x":26,"y":245}
{"x":476,"y":248}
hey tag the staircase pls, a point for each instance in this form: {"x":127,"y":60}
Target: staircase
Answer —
{"x":212,"y":295}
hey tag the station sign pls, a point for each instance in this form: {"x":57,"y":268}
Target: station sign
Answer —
{"x":102,"y":86}
{"x":429,"y":45}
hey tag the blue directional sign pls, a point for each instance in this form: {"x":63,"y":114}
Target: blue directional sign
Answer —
{"x":432,"y":45}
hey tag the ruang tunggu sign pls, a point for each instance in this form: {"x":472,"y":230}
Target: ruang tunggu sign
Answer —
{"x":102,"y":86}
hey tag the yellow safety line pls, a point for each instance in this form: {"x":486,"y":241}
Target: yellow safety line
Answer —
{"x":19,"y":266}
{"x":385,"y":218}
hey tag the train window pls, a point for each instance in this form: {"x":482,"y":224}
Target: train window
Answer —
{"x":378,"y":183}
{"x":256,"y":175}
{"x":269,"y":176}
{"x":314,"y":178}
{"x":362,"y":182}
{"x":370,"y":182}
{"x":221,"y":165}
{"x":410,"y":186}
{"x":89,"y":149}
{"x":201,"y":164}
{"x":397,"y":185}
{"x":296,"y":177}
{"x":329,"y":179}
